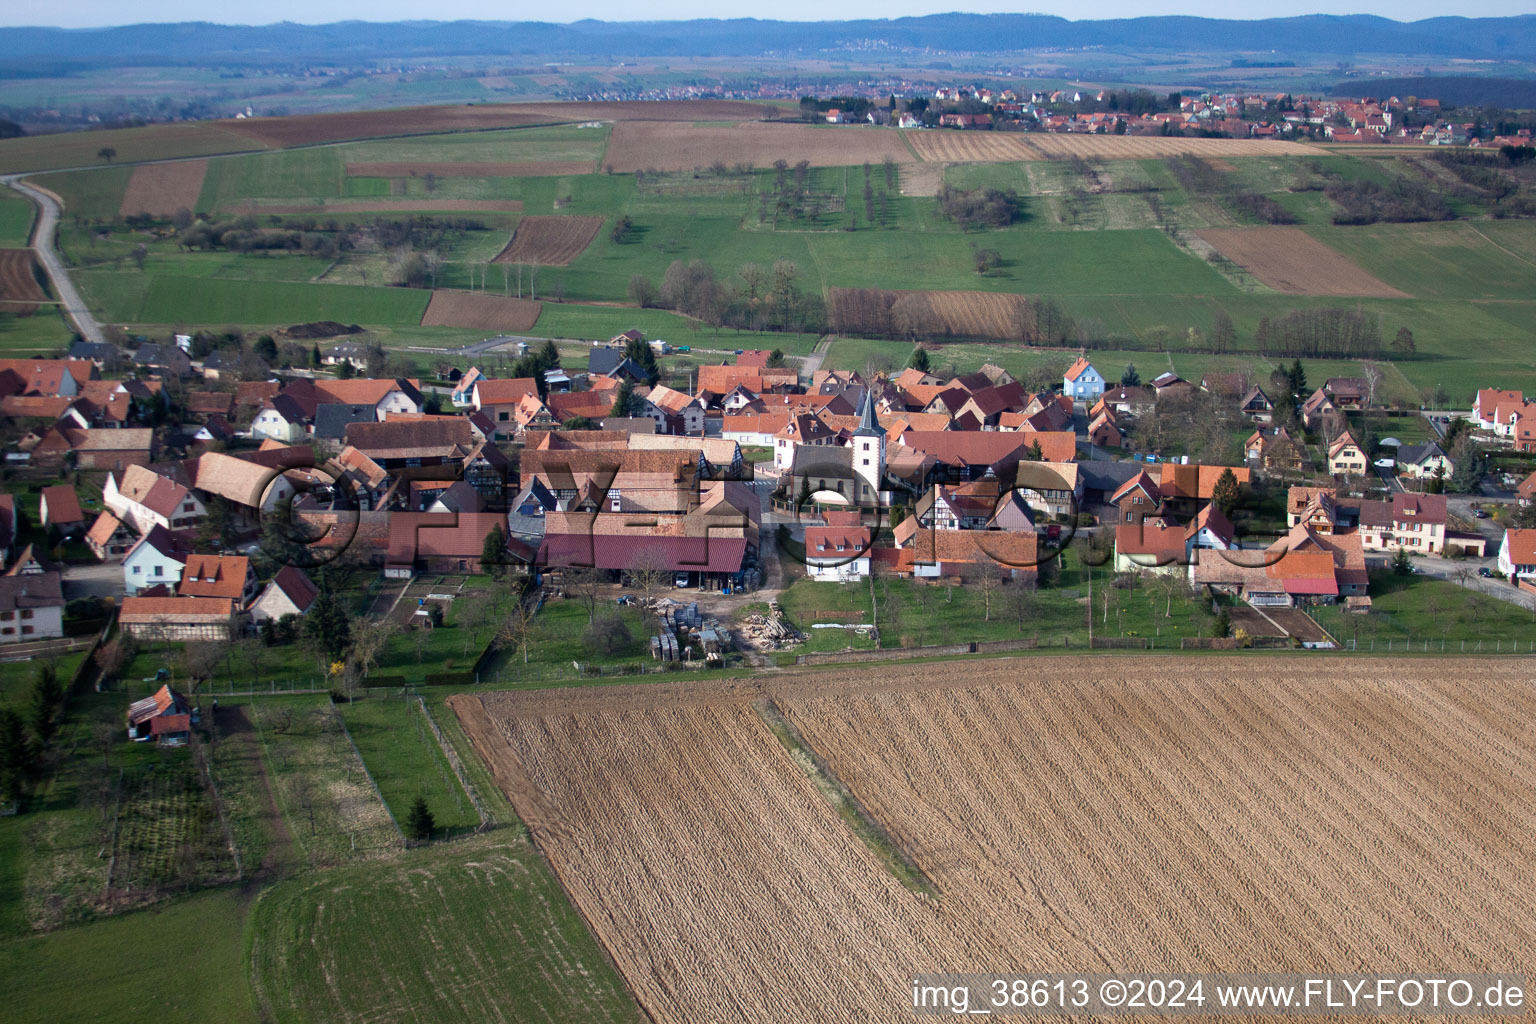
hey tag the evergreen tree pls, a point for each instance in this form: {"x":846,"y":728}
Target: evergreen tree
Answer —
{"x":1298,"y":379}
{"x":419,"y":823}
{"x":550,"y":354}
{"x":1225,"y":494}
{"x":1400,"y":564}
{"x":1130,"y":378}
{"x":43,"y":704}
{"x":345,"y":370}
{"x":920,"y":361}
{"x":624,"y":401}
{"x":327,"y":624}
{"x":16,"y":754}
{"x":1402,"y":344}
{"x":493,"y":557}
{"x":314,"y":357}
{"x":645,"y":357}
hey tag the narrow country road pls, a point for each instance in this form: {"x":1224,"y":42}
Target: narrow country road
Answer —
{"x":42,"y":243}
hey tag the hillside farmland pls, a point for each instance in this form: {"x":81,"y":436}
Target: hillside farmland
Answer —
{"x":1059,"y":822}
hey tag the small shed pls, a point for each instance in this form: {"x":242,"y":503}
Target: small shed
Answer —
{"x":166,"y":718}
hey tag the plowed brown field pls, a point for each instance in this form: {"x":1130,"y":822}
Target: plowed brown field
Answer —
{"x":1074,"y":814}
{"x":19,"y":291}
{"x":960,"y":147}
{"x":1290,"y":260}
{"x":549,"y":241}
{"x":951,"y":314}
{"x":449,"y":169}
{"x":1151,"y":147}
{"x":641,"y":145}
{"x":163,"y":189}
{"x":481,"y":311}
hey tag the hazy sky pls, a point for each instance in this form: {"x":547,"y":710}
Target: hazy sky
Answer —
{"x":91,"y":13}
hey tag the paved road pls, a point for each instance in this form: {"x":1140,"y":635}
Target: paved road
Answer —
{"x":813,"y":361}
{"x":42,"y":242}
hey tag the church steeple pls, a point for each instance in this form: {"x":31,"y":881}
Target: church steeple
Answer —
{"x":869,"y":426}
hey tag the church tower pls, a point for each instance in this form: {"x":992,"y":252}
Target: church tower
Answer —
{"x":868,"y":453}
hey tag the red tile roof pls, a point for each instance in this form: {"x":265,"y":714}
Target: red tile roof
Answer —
{"x":505,"y":392}
{"x":63,"y":505}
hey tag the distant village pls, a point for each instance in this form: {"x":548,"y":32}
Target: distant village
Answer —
{"x":1415,"y":120}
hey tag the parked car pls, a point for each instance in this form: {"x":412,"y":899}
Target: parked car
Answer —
{"x":1478,"y":513}
{"x":680,"y":580}
{"x":1485,"y":572}
{"x":1385,"y":463}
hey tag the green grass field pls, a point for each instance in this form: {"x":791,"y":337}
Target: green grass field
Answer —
{"x":477,"y":930}
{"x":95,"y":972}
{"x":16,"y":213}
{"x":140,"y":298}
{"x":1420,"y":610}
{"x":405,"y":760}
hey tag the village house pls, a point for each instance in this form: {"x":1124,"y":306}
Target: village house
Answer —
{"x":1257,"y":406}
{"x":97,"y":448}
{"x":439,"y":542}
{"x":179,"y":619}
{"x":1137,"y":500}
{"x":1411,"y":522}
{"x":1517,"y":555}
{"x":1346,"y":457}
{"x":1318,"y":409}
{"x":52,"y":378}
{"x":966,"y":554}
{"x":665,"y":482}
{"x":290,"y":592}
{"x":1155,"y":545}
{"x":31,"y":606}
{"x":59,"y":510}
{"x":711,"y":544}
{"x":145,"y":498}
{"x":838,"y":551}
{"x":499,"y":400}
{"x":109,"y":538}
{"x":156,"y":560}
{"x":1082,"y":382}
{"x":1419,"y":462}
{"x":228,"y":577}
{"x":166,"y":718}
{"x":674,"y":411}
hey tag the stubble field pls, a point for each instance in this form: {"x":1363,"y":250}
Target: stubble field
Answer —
{"x":1155,"y":147}
{"x":960,"y":147}
{"x":164,"y":189}
{"x":1213,"y":814}
{"x":480,"y":311}
{"x":1291,"y":261}
{"x":643,"y":146}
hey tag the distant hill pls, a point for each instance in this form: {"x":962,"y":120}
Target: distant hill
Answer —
{"x":1460,"y":91}
{"x":25,"y":49}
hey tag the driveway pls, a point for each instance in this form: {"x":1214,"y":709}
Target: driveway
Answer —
{"x":104,"y":580}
